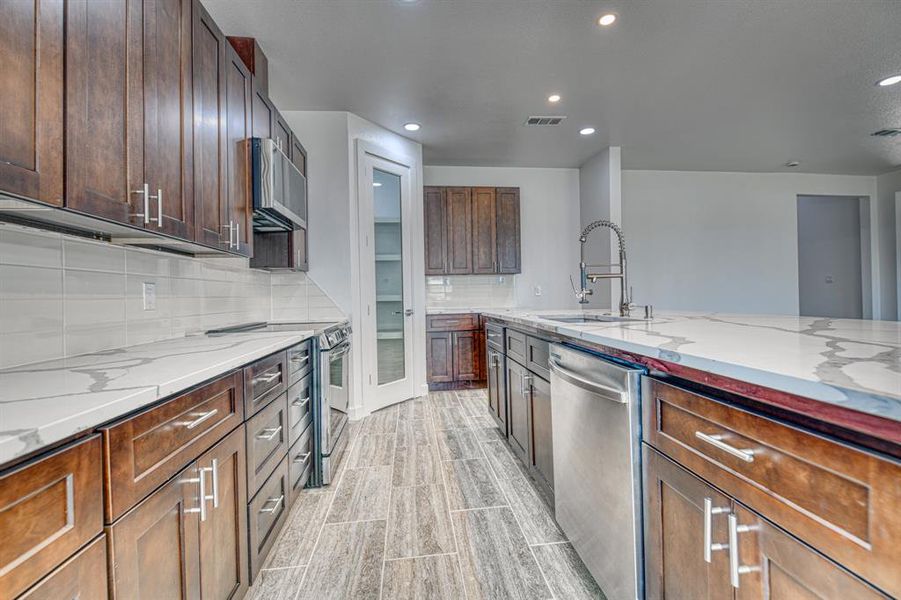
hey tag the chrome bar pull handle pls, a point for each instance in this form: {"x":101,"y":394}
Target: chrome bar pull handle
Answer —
{"x":269,"y":434}
{"x":201,"y":481}
{"x":736,"y":569}
{"x":265,"y":378}
{"x":716,"y":441}
{"x":145,"y":192}
{"x":276,"y":502}
{"x":214,"y":470}
{"x":159,"y":208}
{"x":203,"y":417}
{"x":302,"y":458}
{"x":237,"y":235}
{"x":300,"y":402}
{"x":709,"y":511}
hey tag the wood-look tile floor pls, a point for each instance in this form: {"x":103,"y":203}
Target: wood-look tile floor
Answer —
{"x":428,"y":503}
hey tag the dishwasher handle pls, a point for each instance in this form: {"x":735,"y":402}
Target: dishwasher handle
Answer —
{"x":605,"y":392}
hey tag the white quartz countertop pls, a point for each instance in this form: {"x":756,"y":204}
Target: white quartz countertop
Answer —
{"x":852,"y":363}
{"x":43,"y":403}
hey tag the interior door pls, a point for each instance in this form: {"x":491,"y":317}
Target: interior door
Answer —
{"x":386,"y":273}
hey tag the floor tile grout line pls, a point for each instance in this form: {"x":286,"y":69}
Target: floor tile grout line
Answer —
{"x":550,"y":543}
{"x":461,"y":510}
{"x":450,"y":515}
{"x":390,"y":498}
{"x":540,"y":570}
{"x":420,"y":556}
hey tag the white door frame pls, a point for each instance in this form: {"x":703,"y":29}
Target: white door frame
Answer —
{"x":376,"y":396}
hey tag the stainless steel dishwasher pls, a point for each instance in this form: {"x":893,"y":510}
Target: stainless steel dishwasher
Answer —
{"x":595,"y":417}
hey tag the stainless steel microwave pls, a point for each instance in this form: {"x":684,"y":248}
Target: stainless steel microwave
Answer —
{"x":279,"y":189}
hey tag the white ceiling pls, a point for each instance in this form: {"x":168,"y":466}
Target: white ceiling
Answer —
{"x":733,"y":85}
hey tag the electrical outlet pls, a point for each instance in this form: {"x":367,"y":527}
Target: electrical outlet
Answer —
{"x":537,"y":289}
{"x":149,"y":295}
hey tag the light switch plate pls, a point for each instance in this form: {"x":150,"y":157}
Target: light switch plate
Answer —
{"x":537,"y":289}
{"x":149,"y":295}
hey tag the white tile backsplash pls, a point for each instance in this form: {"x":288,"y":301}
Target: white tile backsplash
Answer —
{"x":470,"y":291}
{"x":61,"y":295}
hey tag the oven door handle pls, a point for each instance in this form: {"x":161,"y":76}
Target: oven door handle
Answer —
{"x":338,"y":351}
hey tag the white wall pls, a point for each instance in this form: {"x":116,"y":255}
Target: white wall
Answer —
{"x":720,"y":241}
{"x":331,"y":139}
{"x":888,"y":244}
{"x":829,"y":261}
{"x":549,"y":220}
{"x":600,"y":197}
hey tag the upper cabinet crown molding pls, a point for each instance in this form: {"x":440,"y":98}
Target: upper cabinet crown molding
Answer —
{"x":471,"y":230}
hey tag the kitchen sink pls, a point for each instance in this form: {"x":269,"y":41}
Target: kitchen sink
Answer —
{"x":589,"y":318}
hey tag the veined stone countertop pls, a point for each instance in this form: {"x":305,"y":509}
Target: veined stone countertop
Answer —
{"x":851,"y":363}
{"x":449,"y":310}
{"x":43,"y":403}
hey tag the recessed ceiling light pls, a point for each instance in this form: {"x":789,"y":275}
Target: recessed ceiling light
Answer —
{"x":792,"y":163}
{"x":411,"y":126}
{"x":587,"y":131}
{"x":889,"y":80}
{"x":553,"y":98}
{"x":376,"y":184}
{"x":607,"y":19}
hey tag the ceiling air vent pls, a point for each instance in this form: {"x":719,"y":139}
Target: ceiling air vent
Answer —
{"x":543,"y":121}
{"x":886,"y":133}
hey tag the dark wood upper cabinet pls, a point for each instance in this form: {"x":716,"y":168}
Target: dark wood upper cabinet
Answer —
{"x":459,"y":230}
{"x":298,"y":154}
{"x":31,"y":105}
{"x":238,"y":123}
{"x":281,"y":133}
{"x":263,"y":113}
{"x":484,"y":230}
{"x":253,"y":57}
{"x":508,"y":231}
{"x":210,"y":177}
{"x":104,"y":110}
{"x":435,"y":217}
{"x":471,"y":230}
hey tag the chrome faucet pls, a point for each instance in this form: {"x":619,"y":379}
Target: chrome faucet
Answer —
{"x":617,"y":270}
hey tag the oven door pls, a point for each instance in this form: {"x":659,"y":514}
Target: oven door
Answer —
{"x":334,"y":412}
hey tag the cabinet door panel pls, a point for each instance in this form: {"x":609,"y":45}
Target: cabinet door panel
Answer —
{"x":168,"y":152}
{"x":223,"y":535}
{"x":508,"y":231}
{"x":155,"y":547}
{"x":82,"y":576}
{"x":210,"y":187}
{"x":466,"y":355}
{"x":674,"y":533}
{"x":31,"y":107}
{"x":439,"y":357}
{"x":262,"y":113}
{"x":298,"y":154}
{"x":542,"y":447}
{"x":518,"y":407}
{"x":435,"y":208}
{"x":237,"y":151}
{"x":281,"y":133}
{"x":104,"y":110}
{"x":484,"y":230}
{"x":459,"y":230}
{"x":497,"y":389}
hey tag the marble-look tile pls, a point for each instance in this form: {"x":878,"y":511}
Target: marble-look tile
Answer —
{"x":443,"y":400}
{"x":419,"y":522}
{"x":347,"y":562}
{"x":486,"y":429}
{"x":496,"y":561}
{"x":362,"y":495}
{"x":502,"y":460}
{"x":470,"y":484}
{"x":475,"y":405}
{"x":414,"y":433}
{"x":295,"y":543}
{"x":417,"y":464}
{"x":382,"y":421}
{"x":277,"y":584}
{"x":450,"y":417}
{"x":566,"y":573}
{"x":372,"y":450}
{"x":424,"y":578}
{"x":534,"y":515}
{"x":413,"y":409}
{"x":457,"y":444}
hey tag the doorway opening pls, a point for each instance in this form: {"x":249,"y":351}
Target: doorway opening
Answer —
{"x":834,"y":256}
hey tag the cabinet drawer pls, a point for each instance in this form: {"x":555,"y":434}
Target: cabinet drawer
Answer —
{"x":145,"y":450}
{"x":300,"y":462}
{"x":82,"y":576}
{"x":537,"y":356}
{"x":840,"y":500}
{"x":48,"y":509}
{"x":457,"y":322}
{"x":267,"y":442}
{"x":515,"y":346}
{"x":266,"y":515}
{"x":264,"y":380}
{"x":494,"y":336}
{"x":300,"y":361}
{"x":299,"y":407}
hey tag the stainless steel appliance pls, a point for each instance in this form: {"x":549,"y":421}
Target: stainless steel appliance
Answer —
{"x":595,"y":416}
{"x":331,"y":366}
{"x":279,"y":189}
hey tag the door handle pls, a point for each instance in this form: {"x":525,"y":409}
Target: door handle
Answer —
{"x":269,"y":433}
{"x":276,"y":502}
{"x":201,"y":419}
{"x":302,"y":458}
{"x":201,"y":481}
{"x":716,"y":441}
{"x":736,"y":569}
{"x":265,"y":378}
{"x":237,"y":235}
{"x":145,"y":192}
{"x":300,"y":402}
{"x":709,"y":511}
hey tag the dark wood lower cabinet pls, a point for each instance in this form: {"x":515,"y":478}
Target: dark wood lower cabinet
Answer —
{"x":155,"y":548}
{"x":542,"y":444}
{"x":439,"y":347}
{"x":497,"y":388}
{"x":519,"y":410}
{"x":466,"y":356}
{"x":455,"y":351}
{"x":81,"y":577}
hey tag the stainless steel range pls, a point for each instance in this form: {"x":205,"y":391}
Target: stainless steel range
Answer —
{"x":331,"y":366}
